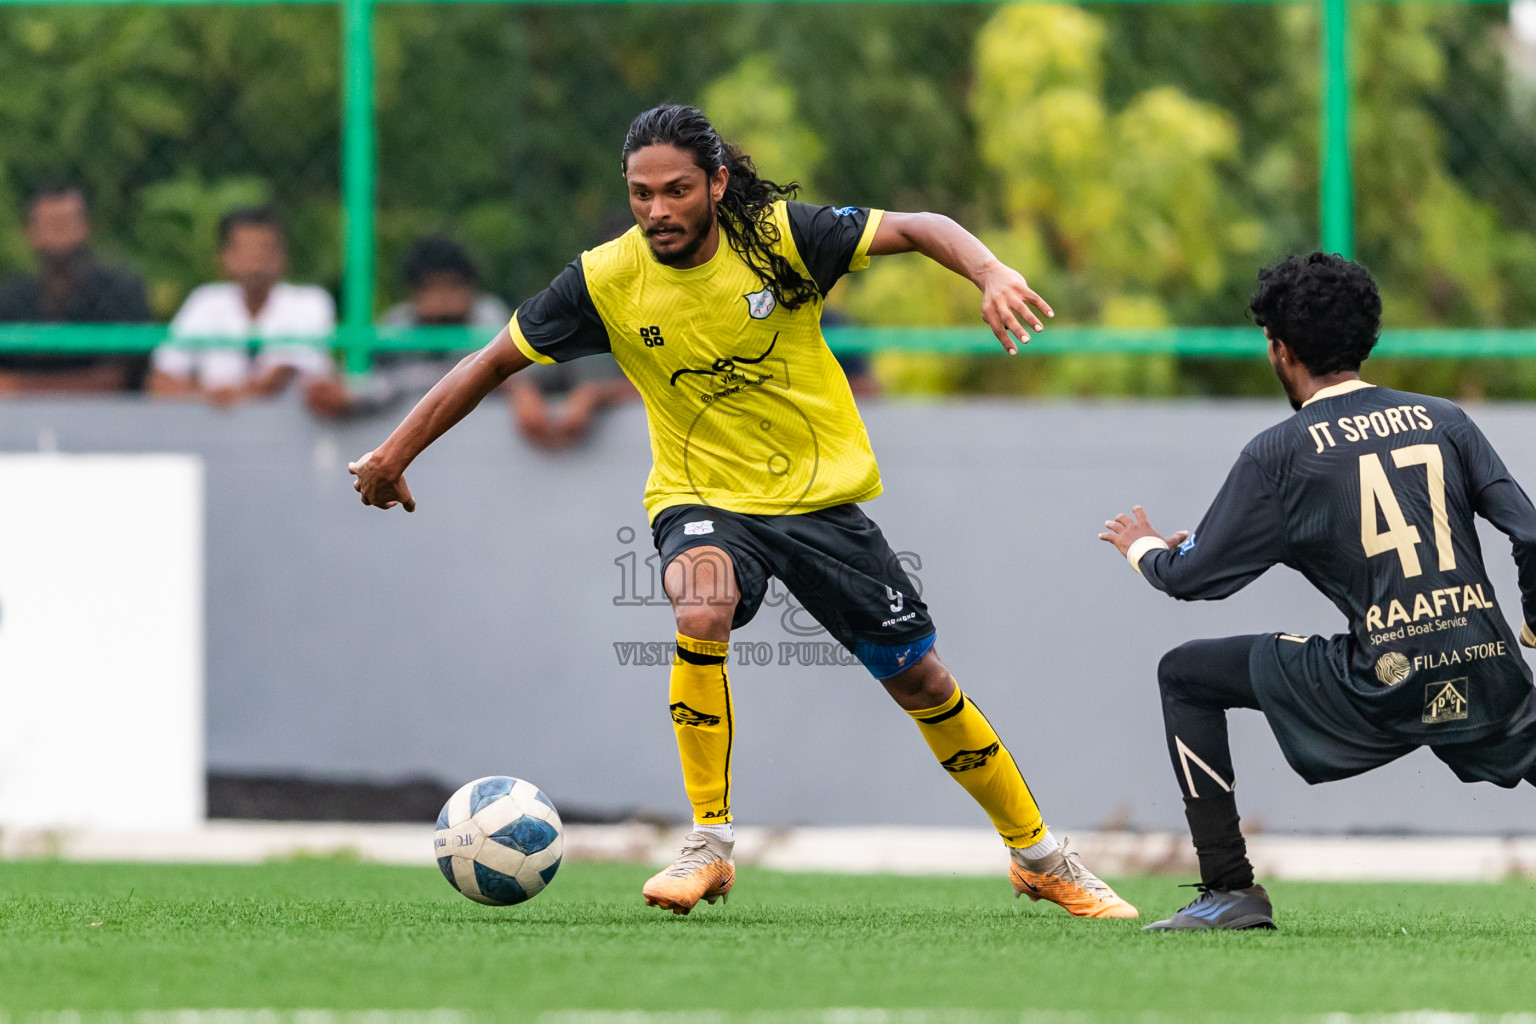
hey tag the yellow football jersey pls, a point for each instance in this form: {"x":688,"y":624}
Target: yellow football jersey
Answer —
{"x":748,"y":409}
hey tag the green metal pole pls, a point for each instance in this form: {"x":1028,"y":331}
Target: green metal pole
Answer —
{"x":1337,"y":193}
{"x":358,"y":174}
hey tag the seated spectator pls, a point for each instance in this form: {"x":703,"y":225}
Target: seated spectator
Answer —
{"x":281,"y":329}
{"x":580,"y":389}
{"x":444,"y":286}
{"x":445,"y":289}
{"x":556,"y":406}
{"x":71,"y":288}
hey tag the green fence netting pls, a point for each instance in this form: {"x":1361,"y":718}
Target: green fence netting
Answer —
{"x":1139,"y":160}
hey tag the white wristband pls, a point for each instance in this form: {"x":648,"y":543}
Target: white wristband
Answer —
{"x":1528,"y":635}
{"x":1140,"y":547}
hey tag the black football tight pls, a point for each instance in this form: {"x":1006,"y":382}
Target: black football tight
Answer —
{"x":1199,"y":681}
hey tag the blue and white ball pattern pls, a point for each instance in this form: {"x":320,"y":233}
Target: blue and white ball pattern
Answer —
{"x":499,"y":840}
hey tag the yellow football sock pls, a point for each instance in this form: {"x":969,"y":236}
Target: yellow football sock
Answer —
{"x":700,"y":696}
{"x":968,"y":748}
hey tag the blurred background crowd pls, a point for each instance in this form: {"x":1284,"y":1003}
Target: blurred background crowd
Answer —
{"x":278,"y":331}
{"x":1136,"y":181}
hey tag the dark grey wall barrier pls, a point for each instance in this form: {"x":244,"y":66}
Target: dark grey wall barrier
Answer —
{"x":504,"y":628}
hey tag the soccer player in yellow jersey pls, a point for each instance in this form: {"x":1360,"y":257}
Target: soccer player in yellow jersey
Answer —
{"x":712,"y":306}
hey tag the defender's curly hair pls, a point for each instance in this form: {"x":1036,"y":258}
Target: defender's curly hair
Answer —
{"x":1324,"y":307}
{"x":743,"y":211}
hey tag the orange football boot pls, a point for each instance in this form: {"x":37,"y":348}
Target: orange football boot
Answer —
{"x":703,"y":870}
{"x":1061,"y":878}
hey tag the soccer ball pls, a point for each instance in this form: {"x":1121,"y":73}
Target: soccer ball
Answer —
{"x":499,"y":840}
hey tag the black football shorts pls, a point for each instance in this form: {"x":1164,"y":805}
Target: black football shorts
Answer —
{"x":1325,"y":738}
{"x":835,"y":562}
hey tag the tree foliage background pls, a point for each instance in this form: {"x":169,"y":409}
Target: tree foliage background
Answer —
{"x":1137,"y":161}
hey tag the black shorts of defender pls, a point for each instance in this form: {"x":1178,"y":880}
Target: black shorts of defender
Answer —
{"x":835,"y":562}
{"x":1291,"y":680}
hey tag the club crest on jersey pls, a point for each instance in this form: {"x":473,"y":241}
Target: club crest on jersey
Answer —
{"x":965,"y":760}
{"x":761,"y":303}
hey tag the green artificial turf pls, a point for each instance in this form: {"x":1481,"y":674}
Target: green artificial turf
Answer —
{"x":347,"y":936}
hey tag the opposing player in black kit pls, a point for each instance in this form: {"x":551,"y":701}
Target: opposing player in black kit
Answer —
{"x":1370,"y":493}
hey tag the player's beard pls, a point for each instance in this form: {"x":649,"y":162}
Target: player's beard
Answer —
{"x":691,"y":246}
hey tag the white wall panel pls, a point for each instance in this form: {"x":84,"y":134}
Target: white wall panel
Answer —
{"x":101,"y":641}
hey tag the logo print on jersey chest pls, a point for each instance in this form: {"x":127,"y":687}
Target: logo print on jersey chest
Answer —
{"x":730,"y":372}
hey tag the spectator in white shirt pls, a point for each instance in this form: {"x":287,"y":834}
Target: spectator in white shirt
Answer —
{"x":279,"y":330}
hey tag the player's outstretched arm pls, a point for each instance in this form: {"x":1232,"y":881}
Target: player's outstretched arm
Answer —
{"x":381,"y":472}
{"x":1008,"y":304}
{"x":1500,"y":500}
{"x":1506,"y":506}
{"x":1133,"y":536}
{"x":1241,"y":536}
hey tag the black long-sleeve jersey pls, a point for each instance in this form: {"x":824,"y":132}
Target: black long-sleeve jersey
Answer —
{"x":1370,"y":494}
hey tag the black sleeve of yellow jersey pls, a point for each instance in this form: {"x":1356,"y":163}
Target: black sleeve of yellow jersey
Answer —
{"x":560,"y":323}
{"x":829,"y":239}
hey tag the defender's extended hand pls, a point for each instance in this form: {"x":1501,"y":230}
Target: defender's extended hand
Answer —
{"x":1125,"y":530}
{"x":379,"y":486}
{"x":1006,"y":299}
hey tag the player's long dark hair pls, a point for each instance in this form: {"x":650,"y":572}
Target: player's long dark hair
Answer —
{"x":743,"y":211}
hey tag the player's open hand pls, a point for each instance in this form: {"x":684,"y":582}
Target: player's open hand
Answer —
{"x":380,"y":486}
{"x":1127,"y":528}
{"x":1009,"y":304}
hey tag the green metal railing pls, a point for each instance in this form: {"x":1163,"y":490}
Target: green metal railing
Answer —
{"x":1195,"y":342}
{"x":1337,"y":193}
{"x":358,"y":339}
